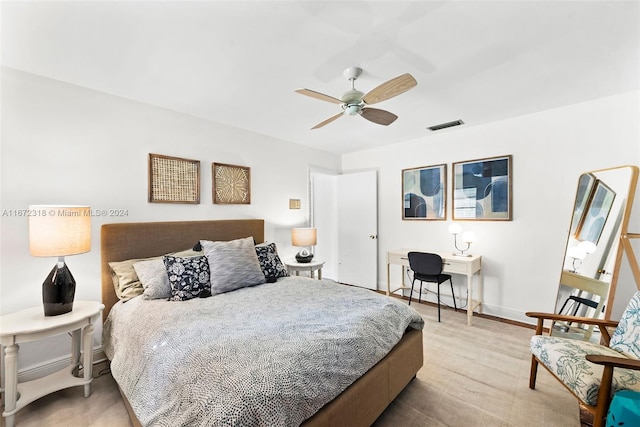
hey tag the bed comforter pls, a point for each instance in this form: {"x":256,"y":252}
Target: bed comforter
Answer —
{"x":268,"y":355}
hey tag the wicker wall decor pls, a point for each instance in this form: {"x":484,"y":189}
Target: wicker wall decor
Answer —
{"x":173,"y":179}
{"x":231,"y":184}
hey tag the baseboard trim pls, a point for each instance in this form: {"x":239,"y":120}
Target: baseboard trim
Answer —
{"x":488,"y":312}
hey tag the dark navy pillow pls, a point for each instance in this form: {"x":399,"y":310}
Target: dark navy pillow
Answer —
{"x":270,"y":262}
{"x":189,"y":277}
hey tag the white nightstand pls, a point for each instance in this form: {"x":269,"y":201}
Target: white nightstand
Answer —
{"x":311,"y":267}
{"x":31,"y":325}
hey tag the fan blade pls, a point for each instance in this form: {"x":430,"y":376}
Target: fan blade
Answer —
{"x":318,"y":95}
{"x":378,"y":116}
{"x":389,"y":89}
{"x":326,"y":122}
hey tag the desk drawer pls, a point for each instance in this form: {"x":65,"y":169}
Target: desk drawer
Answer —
{"x":400,"y":259}
{"x":456,"y":267}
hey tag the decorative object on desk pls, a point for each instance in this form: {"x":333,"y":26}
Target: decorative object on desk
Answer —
{"x":59,"y":231}
{"x":595,"y":215}
{"x":468,"y":237}
{"x":424,"y":193}
{"x":173,"y":179}
{"x":578,"y":253}
{"x":304,"y":237}
{"x":231,"y":184}
{"x":482,"y":189}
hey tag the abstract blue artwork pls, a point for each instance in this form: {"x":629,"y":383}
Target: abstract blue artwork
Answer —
{"x":424,"y":192}
{"x":482,"y":189}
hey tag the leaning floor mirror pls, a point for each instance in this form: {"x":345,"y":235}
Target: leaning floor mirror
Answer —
{"x":598,"y":241}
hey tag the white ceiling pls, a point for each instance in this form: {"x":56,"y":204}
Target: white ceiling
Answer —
{"x":239,"y":62}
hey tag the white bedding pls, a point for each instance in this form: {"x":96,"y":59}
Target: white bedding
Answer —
{"x":268,"y":355}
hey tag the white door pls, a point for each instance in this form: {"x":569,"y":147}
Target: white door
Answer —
{"x":357,"y":221}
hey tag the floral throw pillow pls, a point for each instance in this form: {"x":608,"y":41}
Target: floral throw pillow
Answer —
{"x":270,"y":261}
{"x":188,"y":277}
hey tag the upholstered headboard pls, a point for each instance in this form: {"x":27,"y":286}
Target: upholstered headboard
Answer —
{"x":122,"y":241}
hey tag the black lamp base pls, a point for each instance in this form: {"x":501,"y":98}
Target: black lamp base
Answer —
{"x":58,"y":291}
{"x":303,"y":259}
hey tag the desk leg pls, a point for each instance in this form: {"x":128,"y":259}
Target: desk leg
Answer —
{"x":312,"y":273}
{"x":11,"y":382}
{"x":480,"y":290}
{"x":469,"y":299}
{"x":320,"y":274}
{"x":388,"y":279}
{"x":87,"y":361}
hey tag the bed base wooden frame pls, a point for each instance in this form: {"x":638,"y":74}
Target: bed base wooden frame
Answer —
{"x":359,"y":405}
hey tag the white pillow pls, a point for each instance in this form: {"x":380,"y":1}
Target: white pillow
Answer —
{"x":153,"y":275}
{"x":154,"y":279}
{"x":233,"y":264}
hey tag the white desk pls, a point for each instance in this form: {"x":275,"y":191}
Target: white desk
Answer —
{"x":469,"y":266}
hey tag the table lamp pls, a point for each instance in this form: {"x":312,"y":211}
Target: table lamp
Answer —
{"x":303,"y":237}
{"x":58,"y":231}
{"x":467,"y":237}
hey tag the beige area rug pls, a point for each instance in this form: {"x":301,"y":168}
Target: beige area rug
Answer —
{"x":472,"y":376}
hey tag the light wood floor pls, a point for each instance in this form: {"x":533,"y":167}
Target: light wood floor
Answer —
{"x":472,"y":376}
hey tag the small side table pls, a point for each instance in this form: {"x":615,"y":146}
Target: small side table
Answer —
{"x":311,"y":267}
{"x":30,"y":325}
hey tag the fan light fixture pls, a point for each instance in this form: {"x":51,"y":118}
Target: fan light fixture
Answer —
{"x":352,"y":109}
{"x":355,"y":102}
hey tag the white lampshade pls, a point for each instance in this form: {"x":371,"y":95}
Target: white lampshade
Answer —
{"x":59,"y":230}
{"x":576,"y":252}
{"x":303,"y":236}
{"x":455,"y":228}
{"x":468,"y":237}
{"x":587,"y":247}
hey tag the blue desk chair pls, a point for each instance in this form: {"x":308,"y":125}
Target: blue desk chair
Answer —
{"x":427,"y":267}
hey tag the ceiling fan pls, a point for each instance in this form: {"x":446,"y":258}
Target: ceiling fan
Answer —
{"x":356,"y":102}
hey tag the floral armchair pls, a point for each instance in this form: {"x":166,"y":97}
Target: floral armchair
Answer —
{"x":585,"y":368}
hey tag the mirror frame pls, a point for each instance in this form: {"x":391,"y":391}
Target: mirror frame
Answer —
{"x":623,"y":246}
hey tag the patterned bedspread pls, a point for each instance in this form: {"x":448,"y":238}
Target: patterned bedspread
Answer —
{"x":268,"y":355}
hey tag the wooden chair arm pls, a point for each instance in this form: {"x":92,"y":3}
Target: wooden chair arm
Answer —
{"x":576,"y":319}
{"x":614,"y":361}
{"x":601,"y":323}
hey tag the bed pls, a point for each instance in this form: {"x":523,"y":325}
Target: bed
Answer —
{"x":360,"y":400}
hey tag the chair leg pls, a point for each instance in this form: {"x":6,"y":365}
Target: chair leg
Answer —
{"x":455,"y":307}
{"x":604,"y":397}
{"x":438,"y":302}
{"x":534,"y":373}
{"x":420,"y":292}
{"x":410,"y":294}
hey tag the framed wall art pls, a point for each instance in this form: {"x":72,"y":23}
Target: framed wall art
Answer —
{"x":231,"y":184}
{"x":482,"y":189}
{"x":173,"y":179}
{"x":424,"y":193}
{"x":596,"y":213}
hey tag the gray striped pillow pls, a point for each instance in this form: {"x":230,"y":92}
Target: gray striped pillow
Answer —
{"x":233,"y":264}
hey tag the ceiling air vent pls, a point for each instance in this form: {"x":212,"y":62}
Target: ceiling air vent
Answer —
{"x":446,"y":125}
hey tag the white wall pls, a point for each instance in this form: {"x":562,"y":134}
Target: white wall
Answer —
{"x":62,"y":144}
{"x":522,"y":258}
